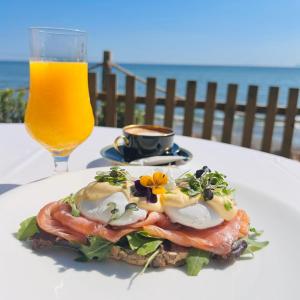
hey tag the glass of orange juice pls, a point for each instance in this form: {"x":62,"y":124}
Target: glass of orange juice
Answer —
{"x":59,"y":114}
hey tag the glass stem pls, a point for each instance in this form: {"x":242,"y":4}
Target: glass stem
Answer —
{"x":60,"y":164}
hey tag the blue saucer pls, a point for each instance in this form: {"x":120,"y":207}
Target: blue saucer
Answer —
{"x":111,"y":154}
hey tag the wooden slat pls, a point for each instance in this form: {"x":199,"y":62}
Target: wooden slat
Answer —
{"x":150,"y":100}
{"x":209,"y":110}
{"x":129,"y":100}
{"x":93,"y":92}
{"x":249,"y":116}
{"x":170,"y":102}
{"x":289,"y":122}
{"x":111,"y":101}
{"x":270,"y":119}
{"x":106,"y":68}
{"x":229,"y":113}
{"x":189,"y":108}
{"x":200,"y":104}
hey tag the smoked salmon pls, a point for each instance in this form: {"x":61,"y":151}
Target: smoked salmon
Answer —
{"x":47,"y":223}
{"x":88,"y":227}
{"x":56,"y":218}
{"x":152,"y":218}
{"x":218,"y":239}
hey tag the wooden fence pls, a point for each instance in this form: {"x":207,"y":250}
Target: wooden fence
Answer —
{"x":230,"y":107}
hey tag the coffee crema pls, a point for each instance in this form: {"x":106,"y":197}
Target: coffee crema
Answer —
{"x":145,"y":131}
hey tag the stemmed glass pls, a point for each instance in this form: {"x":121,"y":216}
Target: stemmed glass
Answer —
{"x":59,"y":114}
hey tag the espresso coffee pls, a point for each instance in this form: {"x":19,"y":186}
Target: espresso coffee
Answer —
{"x":145,"y":131}
{"x":143,"y":141}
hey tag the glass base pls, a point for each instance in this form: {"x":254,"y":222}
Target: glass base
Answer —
{"x":60,"y":164}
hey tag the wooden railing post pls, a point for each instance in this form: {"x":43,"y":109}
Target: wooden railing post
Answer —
{"x":290,"y":116}
{"x":106,"y":68}
{"x":110,"y":116}
{"x":150,"y":101}
{"x":229,"y":112}
{"x":249,"y":116}
{"x":209,"y":110}
{"x":170,"y":103}
{"x":129,"y":100}
{"x":266,"y":144}
{"x":189,"y":108}
{"x":93,"y":92}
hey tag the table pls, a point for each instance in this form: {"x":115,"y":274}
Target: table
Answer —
{"x":23,"y":160}
{"x":273,"y":274}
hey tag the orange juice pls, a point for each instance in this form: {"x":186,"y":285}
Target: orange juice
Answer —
{"x":59,"y":113}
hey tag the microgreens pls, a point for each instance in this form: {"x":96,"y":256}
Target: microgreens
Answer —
{"x":227,"y":205}
{"x":115,"y":176}
{"x":204,"y":182}
{"x":131,"y":206}
{"x":71,"y":200}
{"x":115,"y":212}
{"x":253,"y":230}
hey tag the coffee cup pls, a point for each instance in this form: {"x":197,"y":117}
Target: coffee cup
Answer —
{"x":138,"y":141}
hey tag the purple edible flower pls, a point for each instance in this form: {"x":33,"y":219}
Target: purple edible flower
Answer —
{"x":142,"y":191}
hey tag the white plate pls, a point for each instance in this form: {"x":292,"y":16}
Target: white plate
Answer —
{"x":53,"y":274}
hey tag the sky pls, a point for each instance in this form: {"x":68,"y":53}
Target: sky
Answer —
{"x":211,"y":32}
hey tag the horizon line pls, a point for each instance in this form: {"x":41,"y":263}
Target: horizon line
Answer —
{"x":296,"y":66}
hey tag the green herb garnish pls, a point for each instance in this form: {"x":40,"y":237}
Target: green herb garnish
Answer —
{"x":194,"y":183}
{"x":71,"y":200}
{"x":114,"y":211}
{"x":27,"y":229}
{"x":190,"y":192}
{"x":227,"y":205}
{"x":131,"y":206}
{"x":115,"y":176}
{"x":148,"y":262}
{"x":135,"y":240}
{"x":148,"y":247}
{"x":255,"y":231}
{"x":98,"y":249}
{"x":142,"y":244}
{"x":253,"y":244}
{"x":214,"y":182}
{"x":195,"y":261}
{"x":146,"y":234}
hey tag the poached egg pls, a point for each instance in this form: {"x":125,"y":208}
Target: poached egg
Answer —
{"x":198,"y":215}
{"x":101,"y":210}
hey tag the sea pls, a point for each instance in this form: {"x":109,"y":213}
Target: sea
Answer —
{"x":16,"y":75}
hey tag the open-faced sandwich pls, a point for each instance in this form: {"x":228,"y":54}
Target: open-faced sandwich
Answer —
{"x":155,"y":220}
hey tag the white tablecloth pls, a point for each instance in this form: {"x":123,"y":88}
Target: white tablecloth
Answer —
{"x":22,"y":160}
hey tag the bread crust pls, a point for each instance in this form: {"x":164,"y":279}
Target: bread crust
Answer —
{"x":169,"y":255}
{"x":174,"y":257}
